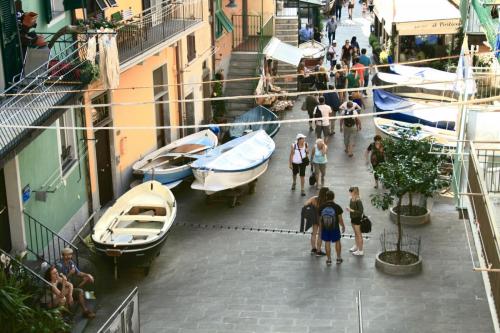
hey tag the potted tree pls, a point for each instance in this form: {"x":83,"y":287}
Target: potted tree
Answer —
{"x":409,"y":168}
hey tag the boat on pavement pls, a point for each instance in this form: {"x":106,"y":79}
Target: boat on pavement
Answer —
{"x":137,"y":223}
{"x":257,"y":114}
{"x":235,"y":163}
{"x":170,"y":164}
{"x":312,"y":52}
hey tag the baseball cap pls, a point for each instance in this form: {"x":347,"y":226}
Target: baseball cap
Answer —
{"x":301,"y":136}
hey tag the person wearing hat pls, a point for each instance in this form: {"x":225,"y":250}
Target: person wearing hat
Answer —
{"x":298,"y":161}
{"x":331,"y":55}
{"x":68,"y":267}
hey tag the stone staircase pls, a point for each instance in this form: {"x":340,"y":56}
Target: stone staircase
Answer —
{"x":242,"y":65}
{"x":286,"y":29}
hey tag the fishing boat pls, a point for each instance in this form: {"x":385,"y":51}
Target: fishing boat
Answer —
{"x":432,"y":120}
{"x":170,"y":164}
{"x":137,"y":223}
{"x":235,"y":163}
{"x":312,"y":52}
{"x":257,"y":114}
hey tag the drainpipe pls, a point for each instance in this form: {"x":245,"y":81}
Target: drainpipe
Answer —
{"x":244,"y":22}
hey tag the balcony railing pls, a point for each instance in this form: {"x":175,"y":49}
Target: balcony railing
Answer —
{"x":489,"y":160}
{"x":155,"y":26}
{"x":47,"y":76}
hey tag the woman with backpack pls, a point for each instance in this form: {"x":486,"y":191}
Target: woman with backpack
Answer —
{"x":356,"y":212}
{"x":298,"y":161}
{"x":319,"y":161}
{"x":317,"y":201}
{"x":340,"y":80}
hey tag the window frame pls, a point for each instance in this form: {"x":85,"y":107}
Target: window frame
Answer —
{"x":55,"y":15}
{"x":191,"y":47}
{"x":67,"y":119}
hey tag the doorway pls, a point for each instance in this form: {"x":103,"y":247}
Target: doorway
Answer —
{"x":189,"y":117}
{"x":5,"y":242}
{"x":103,"y":157}
{"x":207,"y":107}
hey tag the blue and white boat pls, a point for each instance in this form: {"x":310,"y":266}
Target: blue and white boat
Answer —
{"x":171,"y":164}
{"x":235,"y":163}
{"x":257,"y":114}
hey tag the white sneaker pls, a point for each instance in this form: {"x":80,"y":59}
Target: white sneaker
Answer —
{"x":358,"y":253}
{"x":353,"y":249}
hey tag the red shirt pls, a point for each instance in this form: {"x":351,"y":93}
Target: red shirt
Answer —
{"x":360,"y":71}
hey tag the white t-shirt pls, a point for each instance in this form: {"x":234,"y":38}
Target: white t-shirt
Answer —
{"x":355,"y":106}
{"x":326,"y":111}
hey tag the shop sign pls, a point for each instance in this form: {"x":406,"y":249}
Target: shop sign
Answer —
{"x":436,"y":27}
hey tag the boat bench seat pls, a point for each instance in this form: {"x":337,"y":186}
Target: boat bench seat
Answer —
{"x":135,"y":232}
{"x":141,"y":218}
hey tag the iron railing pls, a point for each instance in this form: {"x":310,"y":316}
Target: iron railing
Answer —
{"x":360,"y":312}
{"x":44,"y":243}
{"x":489,"y":160}
{"x":156,"y":25}
{"x":267,"y":32}
{"x":15,"y":268}
{"x":246,"y":32}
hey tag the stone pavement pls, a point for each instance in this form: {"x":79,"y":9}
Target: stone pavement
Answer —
{"x":213,"y":280}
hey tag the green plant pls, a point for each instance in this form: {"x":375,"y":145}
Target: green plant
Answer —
{"x":88,"y":72}
{"x":409,"y":168}
{"x":372,"y":39}
{"x":219,"y":106}
{"x":20,"y":307}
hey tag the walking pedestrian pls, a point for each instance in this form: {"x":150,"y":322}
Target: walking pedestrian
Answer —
{"x":347,"y":53}
{"x":356,"y":212}
{"x":331,"y":28}
{"x":354,"y":42}
{"x":375,"y":152}
{"x":331,"y":221}
{"x":340,"y":80}
{"x":331,"y":55}
{"x":317,"y":201}
{"x":349,"y":126}
{"x":338,"y":9}
{"x":317,"y":35}
{"x":360,"y":71}
{"x":350,"y":8}
{"x":365,"y":61}
{"x":324,"y":112}
{"x":319,"y":160}
{"x":298,"y":161}
{"x":332,"y":99}
{"x":310,"y":105}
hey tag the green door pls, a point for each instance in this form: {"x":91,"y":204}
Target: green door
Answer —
{"x":10,"y":44}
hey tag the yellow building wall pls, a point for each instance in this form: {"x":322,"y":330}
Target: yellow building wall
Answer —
{"x":131,"y":144}
{"x":192,"y":72}
{"x":136,"y":6}
{"x":259,"y":7}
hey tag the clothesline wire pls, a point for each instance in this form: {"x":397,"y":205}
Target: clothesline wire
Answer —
{"x":223,"y":98}
{"x":426,"y":108}
{"x":285,"y":76}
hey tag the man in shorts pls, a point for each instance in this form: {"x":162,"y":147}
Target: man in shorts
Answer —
{"x":323,"y":111}
{"x":349,"y":125}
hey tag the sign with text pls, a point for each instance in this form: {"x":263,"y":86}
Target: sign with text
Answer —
{"x":439,"y":27}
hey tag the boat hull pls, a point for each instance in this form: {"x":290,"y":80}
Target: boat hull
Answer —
{"x":212,"y":181}
{"x":170,"y":176}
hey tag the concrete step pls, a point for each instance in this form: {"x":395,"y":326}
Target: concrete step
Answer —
{"x":233,"y":91}
{"x":242,"y":65}
{"x":286,"y":32}
{"x":236,"y":56}
{"x":285,"y":26}
{"x":244,"y":84}
{"x":287,"y":20}
{"x":289,"y":39}
{"x":242,"y":74}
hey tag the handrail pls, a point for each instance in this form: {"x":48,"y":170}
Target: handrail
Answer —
{"x":34,"y":275}
{"x":44,"y":243}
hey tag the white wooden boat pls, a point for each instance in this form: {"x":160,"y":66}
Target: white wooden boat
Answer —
{"x":235,"y":163}
{"x":170,"y":164}
{"x":137,"y":223}
{"x":312,"y":52}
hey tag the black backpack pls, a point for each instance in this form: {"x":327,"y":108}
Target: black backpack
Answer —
{"x":349,"y":122}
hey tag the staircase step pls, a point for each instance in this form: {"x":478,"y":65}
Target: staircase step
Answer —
{"x":286,"y":20}
{"x":286,"y":26}
{"x":236,"y":56}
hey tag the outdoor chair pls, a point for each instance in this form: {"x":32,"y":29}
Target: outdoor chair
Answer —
{"x":35,"y":63}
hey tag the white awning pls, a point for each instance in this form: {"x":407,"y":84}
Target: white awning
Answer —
{"x":277,"y":50}
{"x":422,"y":17}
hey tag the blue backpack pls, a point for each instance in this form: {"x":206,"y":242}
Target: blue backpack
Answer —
{"x":329,"y":218}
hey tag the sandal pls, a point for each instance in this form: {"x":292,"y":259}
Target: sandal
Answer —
{"x":339,"y":261}
{"x":293,"y":187}
{"x":328,"y":262}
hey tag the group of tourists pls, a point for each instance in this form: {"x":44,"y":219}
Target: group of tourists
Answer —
{"x":328,"y":224}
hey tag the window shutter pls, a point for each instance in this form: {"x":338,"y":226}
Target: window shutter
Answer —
{"x":9,"y":38}
{"x":47,"y":6}
{"x":74,"y":4}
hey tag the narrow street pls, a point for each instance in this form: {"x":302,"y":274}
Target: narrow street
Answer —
{"x":219,"y":280}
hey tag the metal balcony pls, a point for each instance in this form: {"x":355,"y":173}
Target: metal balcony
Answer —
{"x":155,"y":26}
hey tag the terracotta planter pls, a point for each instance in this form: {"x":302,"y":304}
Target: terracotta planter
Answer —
{"x":398,"y":270}
{"x":411,"y":220}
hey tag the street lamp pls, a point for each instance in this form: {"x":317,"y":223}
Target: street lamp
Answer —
{"x":232,"y":4}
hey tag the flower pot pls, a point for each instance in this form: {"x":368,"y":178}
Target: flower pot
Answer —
{"x":398,"y":270}
{"x":423,"y":217}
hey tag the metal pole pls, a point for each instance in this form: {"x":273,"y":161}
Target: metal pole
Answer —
{"x":360,"y":313}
